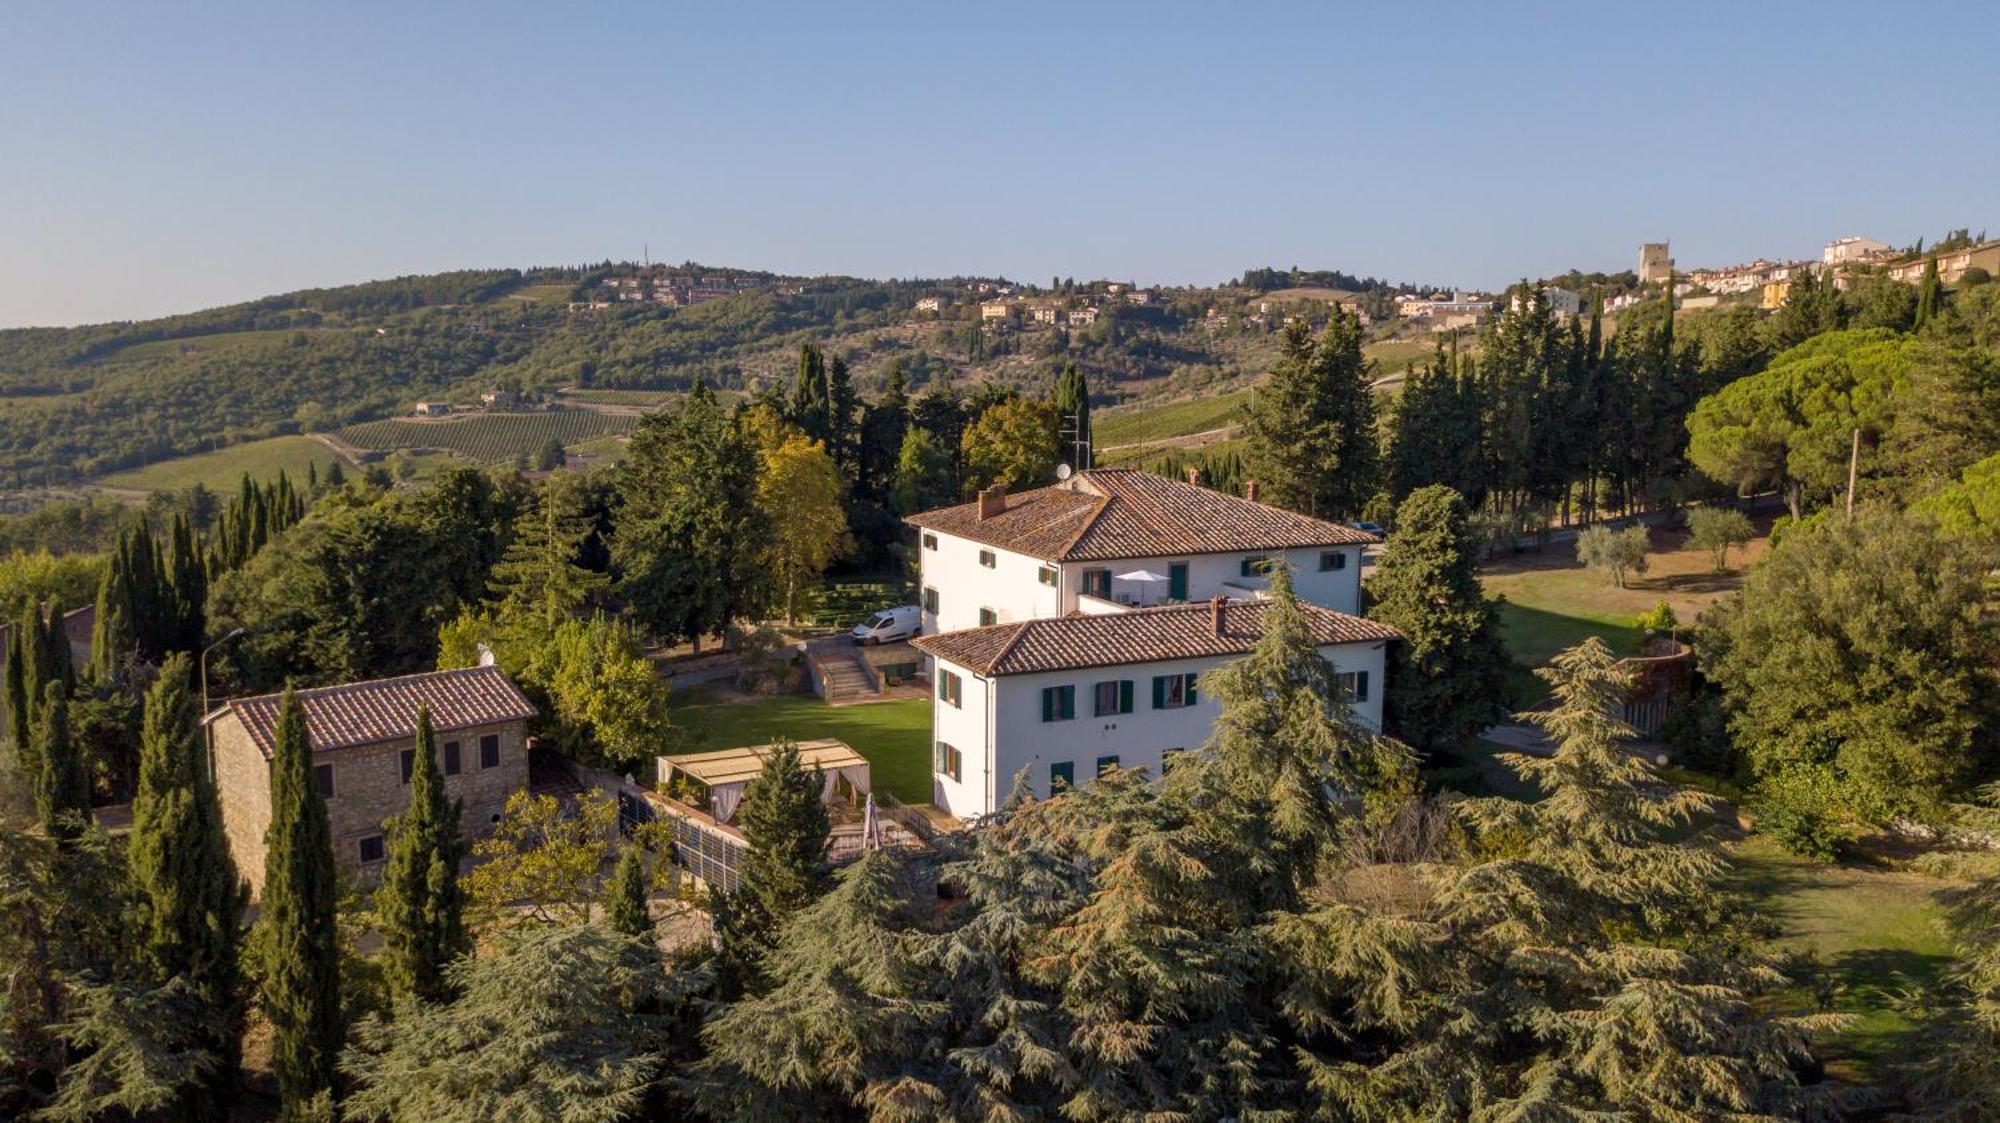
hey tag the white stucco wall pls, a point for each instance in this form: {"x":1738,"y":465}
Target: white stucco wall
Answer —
{"x":1011,"y":588}
{"x":1006,"y":713}
{"x":1338,"y":589}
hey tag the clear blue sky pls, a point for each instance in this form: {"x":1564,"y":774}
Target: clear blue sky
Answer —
{"x":156,"y":161}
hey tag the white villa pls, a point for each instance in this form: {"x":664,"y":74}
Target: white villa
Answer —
{"x":1068,"y":698}
{"x":1068,"y":626}
{"x":1111,"y":539}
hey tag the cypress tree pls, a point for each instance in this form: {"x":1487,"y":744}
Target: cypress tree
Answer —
{"x":630,"y":912}
{"x":111,"y":636}
{"x":1072,"y":402}
{"x":1928,"y":291}
{"x":62,"y":790}
{"x":808,"y":408}
{"x":296,"y":944}
{"x":57,"y":663}
{"x":841,"y":406}
{"x":420,"y":905}
{"x":183,"y":872}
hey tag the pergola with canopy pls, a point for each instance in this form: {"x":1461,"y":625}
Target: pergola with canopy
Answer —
{"x":726,"y":772}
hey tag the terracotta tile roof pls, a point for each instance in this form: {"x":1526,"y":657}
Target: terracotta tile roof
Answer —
{"x":1146,"y":635}
{"x":1103,"y":514}
{"x":367,"y":713}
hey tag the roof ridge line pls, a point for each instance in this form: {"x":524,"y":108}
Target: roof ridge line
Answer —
{"x":1006,"y":649}
{"x":1103,"y":504}
{"x":312,"y":691}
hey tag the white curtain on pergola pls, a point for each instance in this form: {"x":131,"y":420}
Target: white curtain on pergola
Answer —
{"x":727,"y":773}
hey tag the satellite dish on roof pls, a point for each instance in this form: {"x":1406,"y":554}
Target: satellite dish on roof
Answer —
{"x":1064,"y":471}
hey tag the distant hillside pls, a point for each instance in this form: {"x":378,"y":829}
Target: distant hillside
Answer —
{"x":79,"y":404}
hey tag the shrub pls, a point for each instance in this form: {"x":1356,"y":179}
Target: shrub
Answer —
{"x":1717,"y":529}
{"x":1613,"y":552}
{"x":1800,"y":808}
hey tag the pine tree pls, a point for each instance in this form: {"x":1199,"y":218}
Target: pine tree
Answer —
{"x":419,"y":905}
{"x":183,"y":873}
{"x":541,"y":574}
{"x":1448,"y":673}
{"x":786,"y":831}
{"x":62,"y":792}
{"x":297,"y":949}
{"x":631,"y":914}
{"x":1438,"y":427}
{"x":1072,"y":402}
{"x":1284,"y":750}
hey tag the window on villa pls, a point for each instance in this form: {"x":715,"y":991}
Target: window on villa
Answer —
{"x":451,"y":761}
{"x":1097,"y":583}
{"x":1171,"y":692}
{"x":988,"y":558}
{"x":1114,"y":697}
{"x":1332,"y":559}
{"x":1047,"y":576}
{"x":371,"y":849}
{"x":323,"y":776}
{"x":1254,"y":567}
{"x":950,"y":688}
{"x":948,"y":761}
{"x":409,"y":757}
{"x":930,"y":601}
{"x":1106,"y":764}
{"x":988,"y":618}
{"x":930,"y":541}
{"x":1062,"y":776}
{"x":1353,"y":686}
{"x":489,"y":751}
{"x":1058,"y":703}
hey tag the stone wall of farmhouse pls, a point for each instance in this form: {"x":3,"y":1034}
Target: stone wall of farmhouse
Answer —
{"x":368,"y":789}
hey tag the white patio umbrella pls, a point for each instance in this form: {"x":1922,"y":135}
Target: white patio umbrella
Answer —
{"x":1145,"y":579}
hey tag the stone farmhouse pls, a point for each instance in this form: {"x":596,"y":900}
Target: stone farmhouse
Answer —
{"x":363,"y":737}
{"x":1067,"y":627}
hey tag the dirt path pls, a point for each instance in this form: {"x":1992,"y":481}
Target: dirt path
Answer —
{"x":339,"y":448}
{"x":1191,"y":440}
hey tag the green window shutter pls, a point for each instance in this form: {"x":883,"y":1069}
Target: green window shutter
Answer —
{"x":1361,"y":686}
{"x":1125,"y":696}
{"x":1159,"y":692}
{"x":1069,"y":702}
{"x":1190,"y":688}
{"x":1048,"y":703}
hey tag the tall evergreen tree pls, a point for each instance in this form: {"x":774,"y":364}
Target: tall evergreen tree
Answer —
{"x":23,"y":689}
{"x":1929,"y":291}
{"x":1438,"y":428}
{"x":420,"y":907}
{"x":1311,"y":428}
{"x":193,"y":899}
{"x":784,"y":868}
{"x":1072,"y":403}
{"x":1448,"y":674}
{"x":630,"y":912}
{"x":690,"y":526}
{"x":809,"y":408}
{"x":62,"y":791}
{"x":843,"y":407}
{"x":297,"y":947}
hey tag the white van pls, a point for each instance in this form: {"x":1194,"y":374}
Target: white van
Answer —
{"x":890,"y":625}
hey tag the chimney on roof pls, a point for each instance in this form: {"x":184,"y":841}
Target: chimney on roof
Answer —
{"x":1194,"y":475}
{"x":992,"y":501}
{"x":1215,"y":604}
{"x":1250,"y":491}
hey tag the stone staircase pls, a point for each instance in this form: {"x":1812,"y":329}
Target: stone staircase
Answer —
{"x":847,"y":677}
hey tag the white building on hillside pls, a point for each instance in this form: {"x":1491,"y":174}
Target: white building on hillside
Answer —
{"x":1067,"y":698}
{"x":1111,"y":539}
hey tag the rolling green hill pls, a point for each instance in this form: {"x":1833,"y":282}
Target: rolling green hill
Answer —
{"x":489,"y":438}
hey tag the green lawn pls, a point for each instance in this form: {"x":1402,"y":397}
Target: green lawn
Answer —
{"x":894,"y":736}
{"x":223,"y":468}
{"x":1875,"y":932}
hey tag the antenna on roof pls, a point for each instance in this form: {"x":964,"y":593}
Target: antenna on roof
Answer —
{"x":1064,"y":471}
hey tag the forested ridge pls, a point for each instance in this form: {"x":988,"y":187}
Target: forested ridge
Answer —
{"x":76,"y":403}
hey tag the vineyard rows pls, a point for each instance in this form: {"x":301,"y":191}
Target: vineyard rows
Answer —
{"x":490,"y":437}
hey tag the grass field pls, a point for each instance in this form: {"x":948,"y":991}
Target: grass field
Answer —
{"x":1138,"y":424}
{"x":222,"y":469}
{"x":490,"y":437}
{"x":541,"y":294}
{"x":894,"y":736}
{"x":1875,"y":933}
{"x":1393,"y":355}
